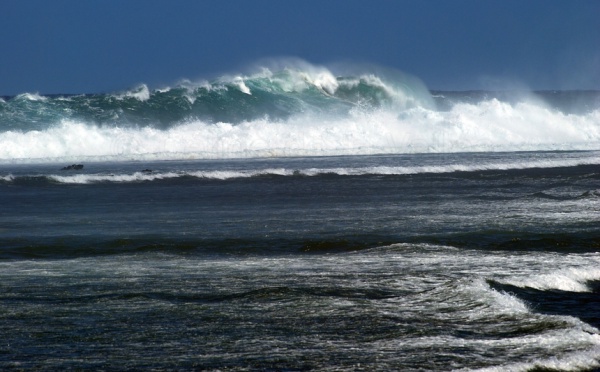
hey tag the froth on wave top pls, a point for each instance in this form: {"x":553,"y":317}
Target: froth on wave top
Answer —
{"x":148,"y":175}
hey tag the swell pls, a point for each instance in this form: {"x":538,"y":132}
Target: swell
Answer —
{"x":585,"y":165}
{"x":67,"y":247}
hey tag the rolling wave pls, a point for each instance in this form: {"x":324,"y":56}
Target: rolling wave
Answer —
{"x":302,"y":110}
{"x":148,"y":175}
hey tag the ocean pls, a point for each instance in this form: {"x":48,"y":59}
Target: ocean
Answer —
{"x":300,"y":218}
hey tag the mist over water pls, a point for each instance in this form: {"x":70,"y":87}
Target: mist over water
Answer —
{"x":302,"y":110}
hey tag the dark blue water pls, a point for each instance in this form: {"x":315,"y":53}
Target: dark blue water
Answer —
{"x":399,"y":262}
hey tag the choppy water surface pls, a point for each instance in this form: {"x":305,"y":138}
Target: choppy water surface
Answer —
{"x":435,"y":262}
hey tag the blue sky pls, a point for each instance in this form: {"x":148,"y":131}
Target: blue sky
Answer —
{"x":85,"y":46}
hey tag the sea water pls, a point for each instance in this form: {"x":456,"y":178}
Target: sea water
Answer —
{"x":297,"y":219}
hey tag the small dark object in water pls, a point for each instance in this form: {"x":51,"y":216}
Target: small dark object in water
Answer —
{"x":73,"y":167}
{"x":147,"y":171}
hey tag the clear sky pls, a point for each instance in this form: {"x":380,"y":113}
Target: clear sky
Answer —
{"x":86,"y":46}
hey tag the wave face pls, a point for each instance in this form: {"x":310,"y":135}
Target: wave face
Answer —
{"x":302,"y":110}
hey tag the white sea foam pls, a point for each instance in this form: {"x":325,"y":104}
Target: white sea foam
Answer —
{"x":488,"y":126}
{"x":501,"y":302}
{"x":141,"y":93}
{"x":95,"y":178}
{"x":299,"y":75}
{"x":239,"y":81}
{"x":323,"y":80}
{"x":152,"y":176}
{"x":7,"y":178}
{"x":32,"y":97}
{"x":585,"y":336}
{"x":570,"y":279}
{"x":574,"y":361}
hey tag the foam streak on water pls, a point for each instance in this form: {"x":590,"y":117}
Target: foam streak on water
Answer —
{"x":388,"y":307}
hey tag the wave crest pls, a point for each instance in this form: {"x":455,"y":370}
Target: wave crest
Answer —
{"x":294,"y":109}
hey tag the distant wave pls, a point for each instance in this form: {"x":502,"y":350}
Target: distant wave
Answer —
{"x":227,"y":174}
{"x":303,"y":110}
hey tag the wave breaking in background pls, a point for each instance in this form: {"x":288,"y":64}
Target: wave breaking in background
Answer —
{"x":303,"y":110}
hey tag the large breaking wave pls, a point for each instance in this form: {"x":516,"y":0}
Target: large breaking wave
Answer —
{"x":296,"y":110}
